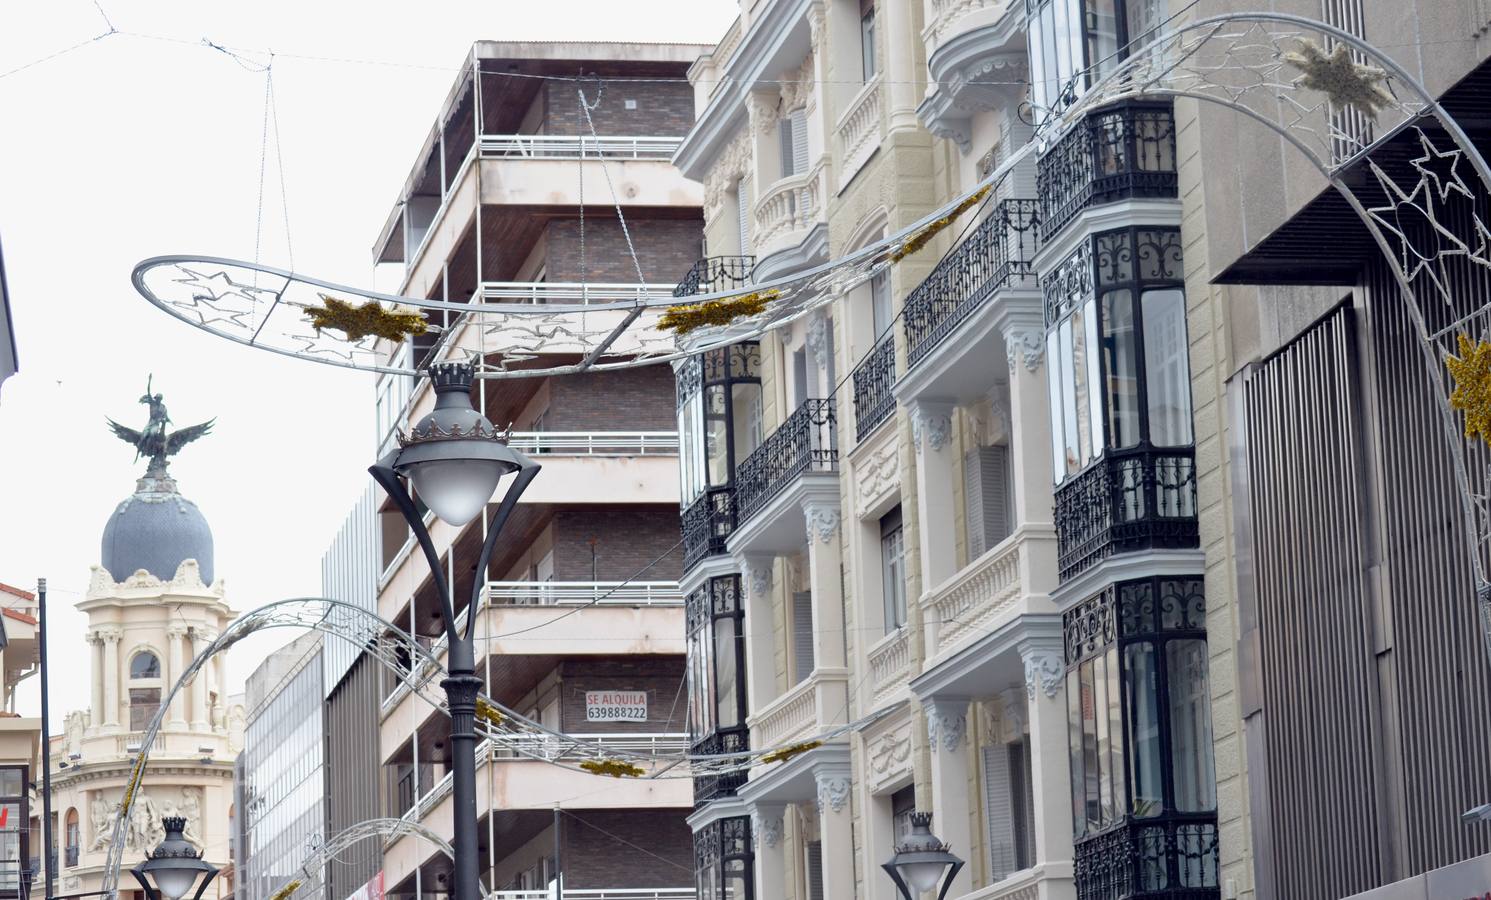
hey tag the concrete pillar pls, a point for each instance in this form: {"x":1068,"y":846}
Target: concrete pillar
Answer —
{"x":760,"y":631}
{"x":932,"y":434}
{"x":836,"y":832}
{"x":198,"y":686}
{"x":1049,"y":752}
{"x":96,"y":643}
{"x":175,"y":632}
{"x":111,"y":638}
{"x":903,"y":84}
{"x":770,"y":849}
{"x":826,"y":583}
{"x":947,"y":736}
{"x":1030,"y":415}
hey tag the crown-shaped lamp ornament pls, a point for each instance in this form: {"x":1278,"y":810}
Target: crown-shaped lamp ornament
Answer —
{"x":174,"y":865}
{"x":920,"y":861}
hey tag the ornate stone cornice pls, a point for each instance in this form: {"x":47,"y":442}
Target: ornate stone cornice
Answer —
{"x":822,"y":521}
{"x":1043,"y":670}
{"x":932,"y":423}
{"x":833,"y":792}
{"x":766,"y":826}
{"x":947,"y":724}
{"x":1028,"y":344}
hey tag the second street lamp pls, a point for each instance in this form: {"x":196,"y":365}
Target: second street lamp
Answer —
{"x":455,"y":459}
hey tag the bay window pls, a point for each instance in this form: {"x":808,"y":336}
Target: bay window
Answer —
{"x":1074,"y":43}
{"x":723,"y":858}
{"x":719,"y":424}
{"x":716,"y":677}
{"x":1143,"y":782}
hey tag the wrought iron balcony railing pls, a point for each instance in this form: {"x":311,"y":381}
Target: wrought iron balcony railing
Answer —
{"x":1128,"y":500}
{"x":720,"y":784}
{"x":707,"y":524}
{"x":716,"y":273}
{"x":71,"y":857}
{"x":873,"y":380}
{"x":1171,"y":858}
{"x":996,"y":254}
{"x":806,"y":442}
{"x":1117,"y":153}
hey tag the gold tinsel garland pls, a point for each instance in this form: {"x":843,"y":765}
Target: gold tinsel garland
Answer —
{"x":691,"y":316}
{"x":488,"y":713}
{"x":357,"y":322}
{"x":134,"y":781}
{"x":1339,"y":77}
{"x":787,"y":753}
{"x":613,"y":767}
{"x":286,"y":891}
{"x":930,"y":230}
{"x":1471,"y":371}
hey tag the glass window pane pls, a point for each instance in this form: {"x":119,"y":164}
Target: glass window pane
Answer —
{"x":726,"y":668}
{"x":11,"y":781}
{"x":1094,"y":379}
{"x":144,"y":665}
{"x":1038,"y":88}
{"x":1081,"y":399}
{"x":1053,"y":379}
{"x":1167,"y":368}
{"x":715,"y":435}
{"x":1143,"y":17}
{"x":893,"y":560}
{"x":745,"y":412}
{"x":1091,"y":762}
{"x":1120,"y":365}
{"x":1113,"y":763}
{"x":1144,"y":730}
{"x":867,"y":44}
{"x":1071,"y":454}
{"x":1102,"y":740}
{"x":1190,"y":726}
{"x":1074,"y":742}
{"x":1102,"y":35}
{"x":1061,"y":29}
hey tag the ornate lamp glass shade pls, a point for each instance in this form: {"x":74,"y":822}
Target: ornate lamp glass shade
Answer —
{"x":454,"y":457}
{"x":920,"y":861}
{"x":174,"y":865}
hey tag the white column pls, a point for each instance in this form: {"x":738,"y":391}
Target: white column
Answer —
{"x":770,"y":849}
{"x":198,"y":686}
{"x":903,"y":78}
{"x":1049,"y":752}
{"x":175,"y":632}
{"x":96,"y":643}
{"x":760,"y":631}
{"x":219,"y":684}
{"x":836,"y":832}
{"x":111,"y":638}
{"x":1030,"y":415}
{"x":932,"y":433}
{"x":947,"y":736}
{"x":826,"y":583}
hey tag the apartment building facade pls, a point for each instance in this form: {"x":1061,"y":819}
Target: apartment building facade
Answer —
{"x":512,"y":200}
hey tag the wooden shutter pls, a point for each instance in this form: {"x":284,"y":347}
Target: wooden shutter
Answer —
{"x":802,"y":634}
{"x":815,"y":870}
{"x":986,"y":498}
{"x":998,"y":811}
{"x":743,"y":214}
{"x":786,"y":146}
{"x":799,"y":120}
{"x":1025,"y":793}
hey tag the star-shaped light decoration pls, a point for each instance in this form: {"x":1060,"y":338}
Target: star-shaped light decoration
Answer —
{"x":357,"y":322}
{"x":1345,"y":82}
{"x":1472,"y":395}
{"x":1439,"y":168}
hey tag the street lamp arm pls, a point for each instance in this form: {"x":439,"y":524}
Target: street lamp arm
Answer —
{"x":389,"y":480}
{"x":526,"y":473}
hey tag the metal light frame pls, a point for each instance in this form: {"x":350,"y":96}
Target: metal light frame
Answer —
{"x":922,"y":846}
{"x":173,"y":852}
{"x":456,"y":431}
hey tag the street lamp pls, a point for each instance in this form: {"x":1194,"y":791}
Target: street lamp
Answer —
{"x":920,"y":861}
{"x":174,"y":865}
{"x":455,"y":459}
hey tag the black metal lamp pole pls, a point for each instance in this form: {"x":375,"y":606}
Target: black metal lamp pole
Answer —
{"x":455,"y":458}
{"x":920,"y":861}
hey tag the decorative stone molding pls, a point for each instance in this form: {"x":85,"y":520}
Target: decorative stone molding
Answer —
{"x":177,"y":630}
{"x":889,"y":755}
{"x":822,"y":521}
{"x":113,"y":634}
{"x":817,"y":23}
{"x":933,"y":424}
{"x":833,"y":792}
{"x":734,"y":163}
{"x":762,"y":108}
{"x":1029,"y":344}
{"x":1043,"y":668}
{"x":797,"y":87}
{"x":815,"y":336}
{"x":876,"y":476}
{"x":758,"y":572}
{"x":947,"y":724}
{"x":766,"y":827}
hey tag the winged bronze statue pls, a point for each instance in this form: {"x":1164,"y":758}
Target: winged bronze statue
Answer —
{"x":154,"y":442}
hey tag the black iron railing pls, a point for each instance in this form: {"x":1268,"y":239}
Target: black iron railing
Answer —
{"x":1117,"y":153}
{"x":71,"y":858}
{"x":716,"y":273}
{"x":720,"y":784}
{"x":873,"y":380}
{"x":707,"y":523}
{"x":806,"y":442}
{"x":1171,"y":858}
{"x":995,"y":255}
{"x":1128,"y":500}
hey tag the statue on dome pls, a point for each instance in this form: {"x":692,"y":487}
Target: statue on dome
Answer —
{"x":153,"y":442}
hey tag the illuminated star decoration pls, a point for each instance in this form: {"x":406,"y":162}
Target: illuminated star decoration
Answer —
{"x":1345,"y":82}
{"x":1472,"y":395}
{"x":357,"y":322}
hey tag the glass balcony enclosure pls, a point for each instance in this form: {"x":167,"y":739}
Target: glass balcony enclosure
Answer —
{"x":1119,"y":382}
{"x":1120,"y":152}
{"x":719,"y":425}
{"x":723,"y":860}
{"x":1139,"y":724}
{"x":716,"y":673}
{"x":1074,"y":43}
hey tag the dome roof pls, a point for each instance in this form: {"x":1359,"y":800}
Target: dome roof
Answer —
{"x":155,"y":529}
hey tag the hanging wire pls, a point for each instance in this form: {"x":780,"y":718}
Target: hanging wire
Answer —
{"x":605,"y":170}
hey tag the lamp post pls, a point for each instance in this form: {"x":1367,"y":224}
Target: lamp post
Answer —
{"x":454,"y":459}
{"x":920,"y":861}
{"x":174,"y":865}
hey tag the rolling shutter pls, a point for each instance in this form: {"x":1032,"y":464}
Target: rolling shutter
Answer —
{"x":802,"y":634}
{"x":986,"y":498}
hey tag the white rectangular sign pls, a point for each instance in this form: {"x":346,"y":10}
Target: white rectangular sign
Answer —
{"x":616,"y":706}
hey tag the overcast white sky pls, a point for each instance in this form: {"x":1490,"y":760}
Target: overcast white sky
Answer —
{"x":131,"y":147}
